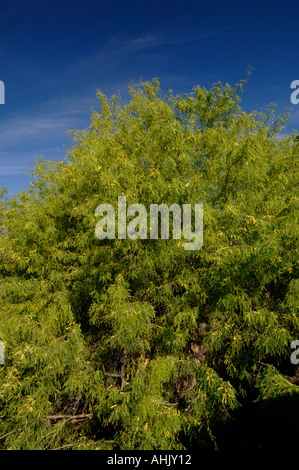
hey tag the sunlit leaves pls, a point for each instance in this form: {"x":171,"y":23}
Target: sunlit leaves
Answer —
{"x":152,"y":344}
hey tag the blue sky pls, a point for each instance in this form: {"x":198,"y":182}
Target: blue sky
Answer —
{"x":55,"y":54}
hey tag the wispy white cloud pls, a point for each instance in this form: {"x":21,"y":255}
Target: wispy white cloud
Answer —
{"x":138,"y":43}
{"x":20,"y":162}
{"x":40,"y":127}
{"x":16,"y":132}
{"x":153,"y":40}
{"x":26,"y":136}
{"x":120,"y":47}
{"x":12,"y":170}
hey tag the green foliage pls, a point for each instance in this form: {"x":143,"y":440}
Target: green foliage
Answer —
{"x":140,"y":344}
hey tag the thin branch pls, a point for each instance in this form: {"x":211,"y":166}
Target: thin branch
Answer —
{"x":64,"y":447}
{"x":167,"y":403}
{"x":11,"y":432}
{"x":69,"y":417}
{"x":115,"y":376}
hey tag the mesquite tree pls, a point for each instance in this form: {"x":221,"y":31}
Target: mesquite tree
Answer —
{"x":138,"y":343}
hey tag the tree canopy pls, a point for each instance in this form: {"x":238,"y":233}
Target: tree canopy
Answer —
{"x":138,"y":343}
